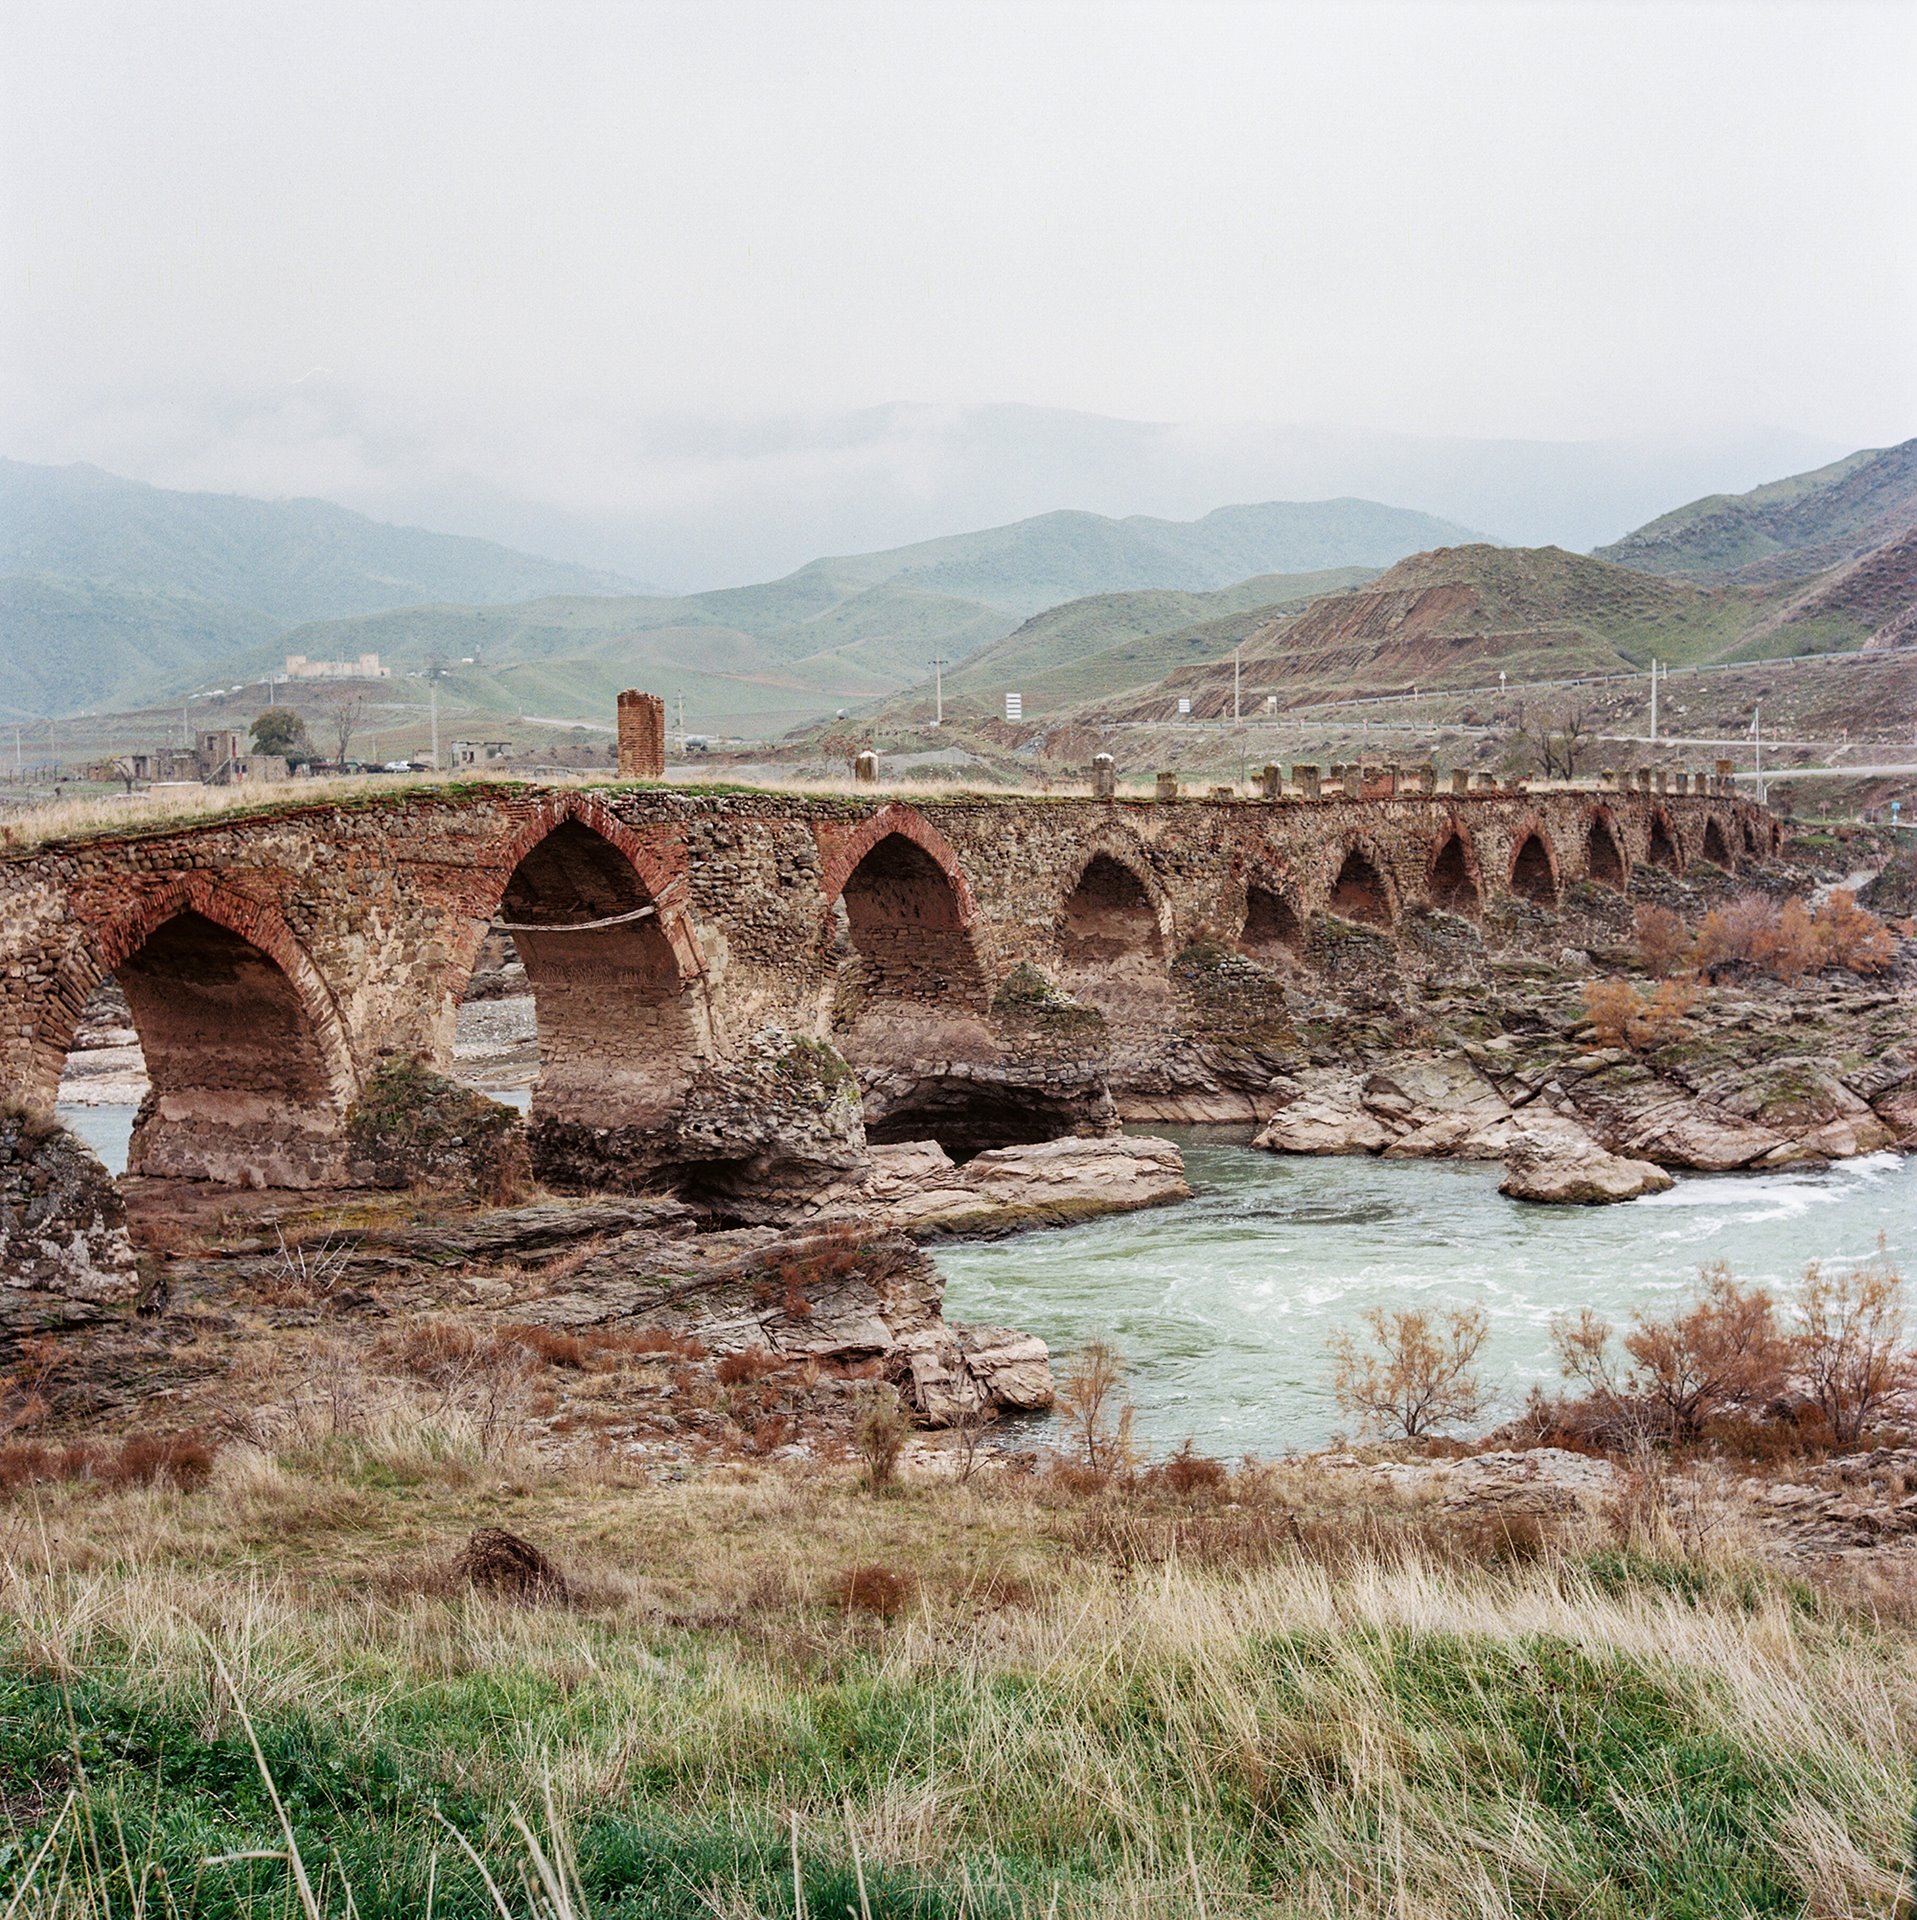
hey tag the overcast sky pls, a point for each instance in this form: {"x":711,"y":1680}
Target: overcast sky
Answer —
{"x":538,"y":248}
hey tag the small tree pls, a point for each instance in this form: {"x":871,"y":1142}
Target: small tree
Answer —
{"x":1557,"y":739}
{"x":1089,"y":1404}
{"x":1852,"y":937}
{"x":281,"y":731}
{"x":343,"y":717}
{"x":1612,"y":1007}
{"x":1418,"y":1374}
{"x":1850,"y":1352}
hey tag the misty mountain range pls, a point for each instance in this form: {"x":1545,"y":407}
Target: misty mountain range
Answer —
{"x":115,"y":593}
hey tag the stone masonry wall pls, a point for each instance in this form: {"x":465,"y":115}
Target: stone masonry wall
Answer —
{"x":361,"y":922}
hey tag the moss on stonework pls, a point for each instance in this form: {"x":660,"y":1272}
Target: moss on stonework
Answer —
{"x":412,"y":1127}
{"x":813,"y":1066}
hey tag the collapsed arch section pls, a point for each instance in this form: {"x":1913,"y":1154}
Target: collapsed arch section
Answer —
{"x":1534,"y":873}
{"x":618,"y":1038}
{"x":1451,"y":881}
{"x":1716,"y":849}
{"x":1109,"y":915}
{"x":1753,"y":847}
{"x":1359,"y":891}
{"x":246,"y":1084}
{"x":1604,"y":862}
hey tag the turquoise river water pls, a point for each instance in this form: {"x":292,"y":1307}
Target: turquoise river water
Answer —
{"x":1222,"y":1306}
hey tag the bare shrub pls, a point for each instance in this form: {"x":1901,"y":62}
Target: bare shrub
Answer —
{"x":1192,"y":1475}
{"x":876,"y":1589}
{"x":1722,"y":1354}
{"x":1620,"y":1017}
{"x":1663,"y":941}
{"x":1418,"y":1374}
{"x":1850,"y":1351}
{"x":1852,"y":937}
{"x":1092,"y":1412}
{"x":1791,"y":946}
{"x":182,"y":1460}
{"x":1610,"y":1006}
{"x":880,"y":1435}
{"x":1734,"y":935}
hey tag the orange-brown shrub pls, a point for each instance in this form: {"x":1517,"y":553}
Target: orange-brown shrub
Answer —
{"x":1722,"y":1354}
{"x":1852,"y":936}
{"x":1663,"y":941}
{"x":747,"y":1364}
{"x":1611,"y":1006}
{"x":182,"y":1460}
{"x":1190,"y":1474}
{"x":1421,"y":1373}
{"x":1850,"y":1351}
{"x":876,"y":1589}
{"x":1733,"y":935}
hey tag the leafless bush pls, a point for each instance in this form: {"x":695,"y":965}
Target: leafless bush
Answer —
{"x":1850,"y":1350}
{"x":880,"y":1435}
{"x":1092,"y":1412}
{"x":1663,"y":941}
{"x":1419,"y":1373}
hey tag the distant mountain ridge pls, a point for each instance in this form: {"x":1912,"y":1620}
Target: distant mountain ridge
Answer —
{"x":115,"y":591}
{"x":1801,"y":525}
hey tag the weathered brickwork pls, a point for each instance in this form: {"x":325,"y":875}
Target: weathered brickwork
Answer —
{"x":274,"y":958}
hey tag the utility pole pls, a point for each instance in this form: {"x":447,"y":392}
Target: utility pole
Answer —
{"x":1653,"y":699}
{"x":1237,"y":715}
{"x":939,"y":663}
{"x":432,"y":695}
{"x":1757,"y":734}
{"x":682,"y":719}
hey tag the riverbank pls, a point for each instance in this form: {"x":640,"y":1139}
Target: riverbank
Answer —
{"x":1272,"y":1692}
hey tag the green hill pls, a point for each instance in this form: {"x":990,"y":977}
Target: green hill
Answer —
{"x":1802,"y":525}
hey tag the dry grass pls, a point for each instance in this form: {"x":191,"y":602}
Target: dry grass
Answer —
{"x":1236,"y":1694}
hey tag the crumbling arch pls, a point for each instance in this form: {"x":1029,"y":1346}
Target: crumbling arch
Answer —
{"x":1662,"y":847}
{"x":1451,"y":874}
{"x":1273,"y":930}
{"x":620,"y":1032}
{"x":1534,"y":869}
{"x":1716,"y":849}
{"x":1604,"y":859}
{"x":1109,"y":915}
{"x":1753,"y":848}
{"x":907,"y":921}
{"x":1360,"y":891}
{"x":249,"y":1074}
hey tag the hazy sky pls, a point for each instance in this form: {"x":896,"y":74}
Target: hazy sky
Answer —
{"x":531,"y":248}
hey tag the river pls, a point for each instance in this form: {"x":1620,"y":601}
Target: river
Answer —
{"x":1222,"y":1306}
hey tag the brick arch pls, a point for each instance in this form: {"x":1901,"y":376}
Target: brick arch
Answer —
{"x":1344,"y":883}
{"x":1600,"y":820}
{"x":1442,"y":889}
{"x":1727,"y":842}
{"x":1129,"y":855}
{"x":662,"y":873}
{"x":1532,"y":828}
{"x":124,"y":924}
{"x":1659,"y":823}
{"x":842,"y":848}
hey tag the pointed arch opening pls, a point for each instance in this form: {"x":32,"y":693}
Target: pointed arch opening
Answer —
{"x":1603,"y":855}
{"x":1273,"y":932}
{"x":1109,"y":916}
{"x":1533,"y":876}
{"x":1662,"y":849}
{"x":1715,"y":849}
{"x":1753,"y":848}
{"x":1453,"y":883}
{"x":904,"y":924}
{"x":242,"y":1089}
{"x":617,"y":1037}
{"x":1359,"y":892}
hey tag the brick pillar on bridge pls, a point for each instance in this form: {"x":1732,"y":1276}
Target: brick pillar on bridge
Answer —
{"x":642,"y":736}
{"x":1306,"y":779}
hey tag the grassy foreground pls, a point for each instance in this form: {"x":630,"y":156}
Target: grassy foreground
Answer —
{"x":772,"y":1691}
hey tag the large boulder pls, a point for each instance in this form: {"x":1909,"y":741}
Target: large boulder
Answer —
{"x":62,"y":1221}
{"x":1563,"y":1167}
{"x":412,"y":1127}
{"x":917,"y":1188}
{"x":1322,"y":1110}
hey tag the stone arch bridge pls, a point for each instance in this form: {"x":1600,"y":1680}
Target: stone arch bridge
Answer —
{"x":707,"y":964}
